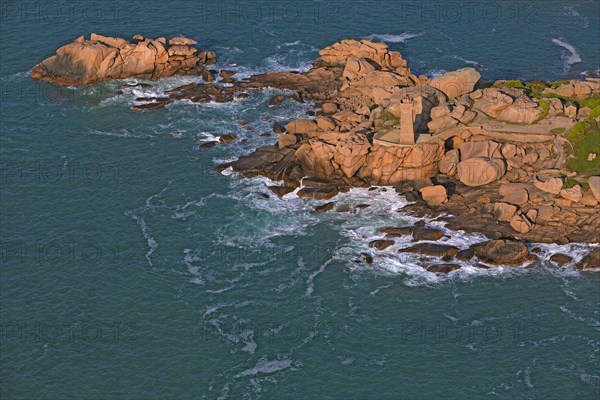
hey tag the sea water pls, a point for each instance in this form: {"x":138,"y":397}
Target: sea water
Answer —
{"x":132,"y":270}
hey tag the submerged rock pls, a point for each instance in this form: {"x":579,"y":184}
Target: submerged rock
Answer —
{"x":591,"y":261}
{"x":430,"y":249}
{"x":381,"y":244}
{"x":443,"y":268}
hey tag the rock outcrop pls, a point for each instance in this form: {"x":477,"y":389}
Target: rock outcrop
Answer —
{"x":456,"y":83}
{"x":101,"y":58}
{"x":500,"y":104}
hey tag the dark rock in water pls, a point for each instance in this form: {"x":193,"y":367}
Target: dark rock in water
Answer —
{"x":208,"y":75}
{"x":590,"y":261}
{"x":310,"y":113}
{"x":501,"y":251}
{"x":443,"y":268}
{"x":270,"y":161}
{"x":228,"y":138}
{"x":297,"y":97}
{"x":204,"y":93}
{"x":118,"y":92}
{"x":362,"y":206}
{"x":276,"y":100}
{"x":381,"y":244}
{"x":265,"y":134}
{"x":244,"y":123}
{"x":561,"y":259}
{"x":208,"y":145}
{"x":447,"y":258}
{"x":320,"y":192}
{"x":412,"y":197}
{"x":281,"y":190}
{"x":420,"y":223}
{"x":431,"y":249}
{"x":227,"y":73}
{"x":397,"y":232}
{"x":536,"y":250}
{"x":325,"y":207}
{"x":420,"y":233}
{"x":465,"y":255}
{"x":228,"y":80}
{"x":367,"y":257}
{"x":278,"y":128}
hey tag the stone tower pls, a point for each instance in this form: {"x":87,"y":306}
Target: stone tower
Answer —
{"x":407,"y":130}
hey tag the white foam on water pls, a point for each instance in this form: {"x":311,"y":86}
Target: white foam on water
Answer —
{"x":264,"y":366}
{"x":16,"y":77}
{"x":146,"y":231}
{"x":374,"y":292}
{"x":390,"y":38}
{"x":434,"y":73}
{"x":122,"y":133}
{"x":571,"y":56}
{"x":570,"y":11}
{"x":470,"y":62}
{"x":310,"y":281}
{"x":346,"y":360}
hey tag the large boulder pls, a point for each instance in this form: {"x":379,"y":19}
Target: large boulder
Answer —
{"x":449,"y":162}
{"x":431,"y":249}
{"x":509,"y":252}
{"x":591,"y":261}
{"x":594,"y":183}
{"x":504,"y":211}
{"x":434,"y":195}
{"x":480,"y":149}
{"x":480,"y":171}
{"x":493,"y":101}
{"x":356,"y":68}
{"x":572,"y":89}
{"x":522,"y":110}
{"x":456,"y":83}
{"x":550,"y":185}
{"x":521,"y":223}
{"x":332,"y":153}
{"x":573,"y":194}
{"x":339,"y":53}
{"x":441,"y":124}
{"x":103,"y":58}
{"x":390,"y":165}
{"x":301,"y":126}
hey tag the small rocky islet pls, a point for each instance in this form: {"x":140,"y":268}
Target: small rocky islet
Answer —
{"x":515,"y":161}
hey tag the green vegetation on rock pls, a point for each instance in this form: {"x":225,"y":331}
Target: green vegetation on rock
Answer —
{"x":545,"y":106}
{"x":389,"y":117}
{"x":585,"y":138}
{"x":513,"y":83}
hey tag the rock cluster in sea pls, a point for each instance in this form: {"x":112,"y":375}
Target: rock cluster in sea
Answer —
{"x":101,"y":58}
{"x":487,"y":157}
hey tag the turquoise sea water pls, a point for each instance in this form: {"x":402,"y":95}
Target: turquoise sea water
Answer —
{"x":131,"y":270}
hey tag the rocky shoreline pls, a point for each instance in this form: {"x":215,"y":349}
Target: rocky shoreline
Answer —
{"x":517,"y":162}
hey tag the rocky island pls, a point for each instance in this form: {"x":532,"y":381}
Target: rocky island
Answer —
{"x":515,"y":161}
